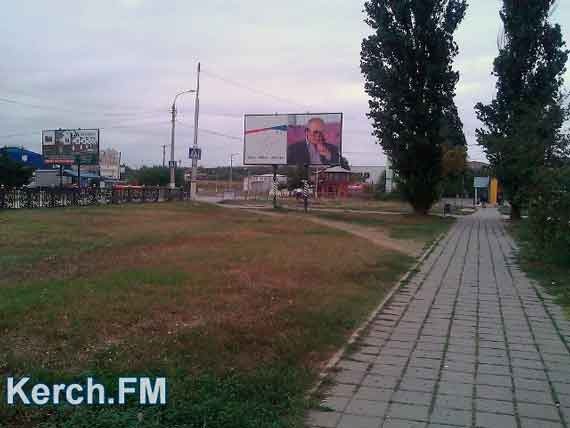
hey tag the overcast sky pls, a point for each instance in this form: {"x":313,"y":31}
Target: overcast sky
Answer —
{"x":116,"y":65}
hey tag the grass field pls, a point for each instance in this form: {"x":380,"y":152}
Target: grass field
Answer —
{"x":237,"y":310}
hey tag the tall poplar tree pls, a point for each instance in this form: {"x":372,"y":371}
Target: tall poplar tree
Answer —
{"x":521,"y":130}
{"x":407,"y":65}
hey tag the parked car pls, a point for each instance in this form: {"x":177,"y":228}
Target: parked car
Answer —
{"x":356,"y":187}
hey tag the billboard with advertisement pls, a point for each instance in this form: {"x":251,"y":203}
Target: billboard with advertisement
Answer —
{"x":293,"y":139}
{"x":109,"y":163}
{"x":66,"y":146}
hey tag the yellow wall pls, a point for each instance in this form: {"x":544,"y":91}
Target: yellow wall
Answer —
{"x":493,"y":190}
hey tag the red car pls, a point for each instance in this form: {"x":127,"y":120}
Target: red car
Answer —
{"x":356,"y":187}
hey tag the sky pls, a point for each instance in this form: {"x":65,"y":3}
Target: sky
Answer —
{"x":117,"y":64}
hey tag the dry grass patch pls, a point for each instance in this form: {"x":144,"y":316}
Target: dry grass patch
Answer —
{"x":188,"y":290}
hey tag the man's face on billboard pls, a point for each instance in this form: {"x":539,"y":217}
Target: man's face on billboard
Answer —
{"x":316,"y":131}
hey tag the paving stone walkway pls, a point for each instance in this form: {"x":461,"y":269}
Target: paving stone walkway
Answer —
{"x":468,"y":342}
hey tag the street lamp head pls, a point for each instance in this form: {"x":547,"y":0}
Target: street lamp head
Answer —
{"x":189,"y":91}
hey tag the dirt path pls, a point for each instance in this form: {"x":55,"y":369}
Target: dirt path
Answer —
{"x":375,"y":236}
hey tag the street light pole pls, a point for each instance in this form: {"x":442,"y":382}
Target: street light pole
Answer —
{"x":193,"y":183}
{"x":172,"y":161}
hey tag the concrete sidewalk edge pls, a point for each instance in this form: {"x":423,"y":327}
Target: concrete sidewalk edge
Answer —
{"x":333,"y":361}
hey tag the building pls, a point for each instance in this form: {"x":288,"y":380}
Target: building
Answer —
{"x":487,"y":189}
{"x":371,"y":175}
{"x":333,"y":182}
{"x":262,"y":183}
{"x":19,"y":154}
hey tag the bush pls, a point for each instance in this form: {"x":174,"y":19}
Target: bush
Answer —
{"x":549,"y":215}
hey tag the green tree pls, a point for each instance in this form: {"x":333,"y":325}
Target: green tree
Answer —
{"x":155,"y":176}
{"x":407,"y":64}
{"x":521,"y":130}
{"x":13,"y":173}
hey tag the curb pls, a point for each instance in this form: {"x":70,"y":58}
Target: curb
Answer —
{"x":333,"y":361}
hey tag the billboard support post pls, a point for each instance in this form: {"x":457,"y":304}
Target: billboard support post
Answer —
{"x":317,"y":185}
{"x":79,"y":172}
{"x":275,"y":187}
{"x":61,"y":176}
{"x":306,"y":189}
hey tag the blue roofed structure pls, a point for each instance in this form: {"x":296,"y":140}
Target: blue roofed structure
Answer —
{"x":27,"y":157}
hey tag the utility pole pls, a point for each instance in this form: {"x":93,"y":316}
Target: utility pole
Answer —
{"x":163,"y":155}
{"x":196,"y":115}
{"x":231,"y":168}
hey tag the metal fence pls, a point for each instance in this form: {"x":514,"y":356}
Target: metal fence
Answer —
{"x":54,"y":198}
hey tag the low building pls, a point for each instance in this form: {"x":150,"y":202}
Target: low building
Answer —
{"x":261,"y":184}
{"x":27,"y":157}
{"x":333,"y":182}
{"x":371,"y":175}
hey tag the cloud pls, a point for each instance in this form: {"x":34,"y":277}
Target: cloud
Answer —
{"x":97,"y":64}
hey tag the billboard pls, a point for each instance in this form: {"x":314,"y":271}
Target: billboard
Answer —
{"x":109,"y":163}
{"x":481,"y":182}
{"x":293,"y":139}
{"x":66,"y":146}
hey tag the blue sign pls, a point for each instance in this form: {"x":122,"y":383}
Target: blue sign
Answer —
{"x":195,"y":153}
{"x":481,"y":182}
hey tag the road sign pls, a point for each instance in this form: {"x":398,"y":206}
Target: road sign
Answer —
{"x":195,"y":153}
{"x":481,"y":182}
{"x":172,"y":164}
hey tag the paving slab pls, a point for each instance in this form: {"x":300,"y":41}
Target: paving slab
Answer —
{"x":469,"y":342}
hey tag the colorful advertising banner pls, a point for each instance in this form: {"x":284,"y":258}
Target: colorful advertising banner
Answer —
{"x":293,"y":139}
{"x":67,"y":146}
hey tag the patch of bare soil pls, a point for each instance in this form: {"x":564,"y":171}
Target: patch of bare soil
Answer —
{"x":375,"y":236}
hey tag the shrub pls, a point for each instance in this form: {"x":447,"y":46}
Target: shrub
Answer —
{"x":549,"y":215}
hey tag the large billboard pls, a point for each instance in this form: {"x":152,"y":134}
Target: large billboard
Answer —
{"x":67,"y":146}
{"x":293,"y":139}
{"x":109,"y":163}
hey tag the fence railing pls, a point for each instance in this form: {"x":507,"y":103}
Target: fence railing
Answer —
{"x":54,"y":198}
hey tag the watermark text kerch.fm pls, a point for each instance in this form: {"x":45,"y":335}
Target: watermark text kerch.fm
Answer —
{"x":142,"y":390}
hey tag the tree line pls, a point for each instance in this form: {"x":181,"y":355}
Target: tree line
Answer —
{"x":407,"y":63}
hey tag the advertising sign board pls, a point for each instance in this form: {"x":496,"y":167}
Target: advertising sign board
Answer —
{"x":293,"y":139}
{"x":68,"y":146}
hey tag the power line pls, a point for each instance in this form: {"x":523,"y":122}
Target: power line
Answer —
{"x":212,"y":132}
{"x":220,"y":134}
{"x":69,"y":110}
{"x":251,"y":89}
{"x":118,"y":125}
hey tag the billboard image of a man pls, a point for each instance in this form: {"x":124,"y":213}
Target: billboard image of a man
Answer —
{"x":315,"y":148}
